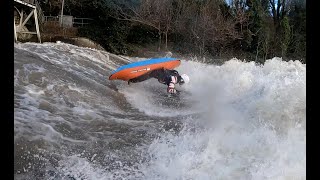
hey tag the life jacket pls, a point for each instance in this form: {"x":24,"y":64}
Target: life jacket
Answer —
{"x":164,"y":76}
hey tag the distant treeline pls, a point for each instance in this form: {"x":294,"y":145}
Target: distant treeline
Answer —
{"x":252,"y":29}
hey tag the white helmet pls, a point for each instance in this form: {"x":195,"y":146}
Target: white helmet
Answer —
{"x":185,"y":78}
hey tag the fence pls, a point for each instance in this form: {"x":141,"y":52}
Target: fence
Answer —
{"x":76,"y":22}
{"x":81,"y":21}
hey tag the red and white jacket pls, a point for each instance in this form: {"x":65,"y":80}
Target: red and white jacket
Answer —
{"x":171,"y":84}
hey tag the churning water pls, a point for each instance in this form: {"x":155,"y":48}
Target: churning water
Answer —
{"x":238,"y":120}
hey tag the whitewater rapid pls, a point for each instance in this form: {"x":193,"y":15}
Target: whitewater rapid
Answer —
{"x":238,"y":120}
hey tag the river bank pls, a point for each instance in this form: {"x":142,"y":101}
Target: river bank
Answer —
{"x":54,"y":33}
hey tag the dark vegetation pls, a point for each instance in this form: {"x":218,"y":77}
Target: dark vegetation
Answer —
{"x":249,"y":29}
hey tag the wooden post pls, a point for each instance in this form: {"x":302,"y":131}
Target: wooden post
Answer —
{"x":37,"y":25}
{"x":25,"y":21}
{"x":21,"y":18}
{"x":15,"y":32}
{"x":61,"y":13}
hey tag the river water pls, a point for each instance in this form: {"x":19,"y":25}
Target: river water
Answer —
{"x":238,"y":120}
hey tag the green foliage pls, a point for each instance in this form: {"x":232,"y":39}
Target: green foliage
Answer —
{"x":142,"y":35}
{"x":285,"y":36}
{"x":297,"y":19}
{"x":198,"y":27}
{"x":265,"y":40}
{"x":255,"y":24}
{"x":112,"y":36}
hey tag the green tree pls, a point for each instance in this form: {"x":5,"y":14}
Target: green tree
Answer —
{"x":297,"y":19}
{"x":285,"y":35}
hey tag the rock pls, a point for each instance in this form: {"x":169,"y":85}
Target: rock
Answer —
{"x":78,"y":41}
{"x":84,"y":42}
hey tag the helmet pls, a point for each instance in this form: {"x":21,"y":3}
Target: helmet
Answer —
{"x":185,"y":78}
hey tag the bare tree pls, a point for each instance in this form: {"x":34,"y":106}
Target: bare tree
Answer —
{"x":239,"y":14}
{"x":203,"y":21}
{"x":185,"y":13}
{"x":279,"y":9}
{"x":154,"y":13}
{"x":212,"y":28}
{"x":203,"y":25}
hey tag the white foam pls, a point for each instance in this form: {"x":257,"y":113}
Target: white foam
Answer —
{"x":244,"y":109}
{"x":251,"y":124}
{"x":78,"y":168}
{"x":142,"y":97}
